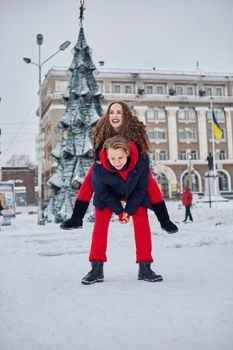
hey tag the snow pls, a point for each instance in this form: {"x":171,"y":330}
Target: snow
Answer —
{"x":43,"y":305}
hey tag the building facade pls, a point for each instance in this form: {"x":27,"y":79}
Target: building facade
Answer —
{"x":174,"y":106}
{"x":25,"y":179}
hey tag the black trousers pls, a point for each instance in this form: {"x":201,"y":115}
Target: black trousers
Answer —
{"x":188,"y":213}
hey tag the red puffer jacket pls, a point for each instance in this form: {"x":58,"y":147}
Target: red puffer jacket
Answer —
{"x":187,"y":196}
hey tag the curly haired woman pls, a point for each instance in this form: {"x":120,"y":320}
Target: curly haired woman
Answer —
{"x":119,"y":120}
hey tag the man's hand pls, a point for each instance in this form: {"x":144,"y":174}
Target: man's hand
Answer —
{"x":123,"y":218}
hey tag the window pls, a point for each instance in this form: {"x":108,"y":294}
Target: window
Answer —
{"x":181,"y":114}
{"x":149,"y":89}
{"x":219,"y":91}
{"x":223,"y":181}
{"x":117,"y":89}
{"x":152,"y":155}
{"x":195,"y":181}
{"x":191,"y":114}
{"x":151,"y":133}
{"x":61,"y":85}
{"x":190,"y":90}
{"x":161,"y":134}
{"x":222,"y":154}
{"x":150,"y":115}
{"x":193,"y":154}
{"x":192,"y":134}
{"x":183,"y":155}
{"x":99,"y":86}
{"x":208,"y":91}
{"x":209,"y":116}
{"x":179,"y":90}
{"x":162,"y":155}
{"x":157,"y":134}
{"x":159,"y":90}
{"x":182,"y":134}
{"x":128,"y":89}
{"x":160,"y":114}
{"x":187,"y":134}
{"x":209,"y":134}
{"x":219,"y":114}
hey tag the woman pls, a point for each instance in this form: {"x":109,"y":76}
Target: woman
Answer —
{"x":121,"y":175}
{"x":119,"y":120}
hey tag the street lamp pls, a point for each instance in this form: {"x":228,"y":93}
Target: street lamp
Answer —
{"x":62,"y":47}
{"x":190,"y":172}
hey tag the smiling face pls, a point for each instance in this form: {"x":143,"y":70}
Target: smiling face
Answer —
{"x":116,"y":115}
{"x":117,"y":157}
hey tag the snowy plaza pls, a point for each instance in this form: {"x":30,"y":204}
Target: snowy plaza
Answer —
{"x":44,"y":306}
{"x":125,"y":102}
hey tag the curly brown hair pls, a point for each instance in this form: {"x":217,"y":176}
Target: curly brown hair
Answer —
{"x":132,"y":129}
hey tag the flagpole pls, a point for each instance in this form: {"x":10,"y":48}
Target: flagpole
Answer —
{"x":213,"y":151}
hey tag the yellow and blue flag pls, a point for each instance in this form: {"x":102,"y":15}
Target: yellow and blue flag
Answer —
{"x":217,"y":130}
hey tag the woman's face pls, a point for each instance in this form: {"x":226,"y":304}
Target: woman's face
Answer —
{"x":116,"y":116}
{"x":117,"y":157}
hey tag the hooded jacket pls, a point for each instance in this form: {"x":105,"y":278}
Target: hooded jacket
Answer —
{"x":111,"y":185}
{"x":187,"y":196}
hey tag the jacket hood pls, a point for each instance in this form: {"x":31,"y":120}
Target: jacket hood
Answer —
{"x":133,"y":156}
{"x":186,"y":189}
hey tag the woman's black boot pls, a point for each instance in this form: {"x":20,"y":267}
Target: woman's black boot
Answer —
{"x":76,"y":220}
{"x":161,"y":212}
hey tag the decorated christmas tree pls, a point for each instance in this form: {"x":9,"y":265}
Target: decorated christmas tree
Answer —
{"x":74,"y":152}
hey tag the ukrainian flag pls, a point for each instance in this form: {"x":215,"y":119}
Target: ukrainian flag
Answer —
{"x":216,"y":126}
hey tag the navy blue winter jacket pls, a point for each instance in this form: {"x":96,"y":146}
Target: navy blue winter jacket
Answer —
{"x":110,"y":188}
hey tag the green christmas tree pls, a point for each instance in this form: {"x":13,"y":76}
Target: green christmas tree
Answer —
{"x":74,"y":152}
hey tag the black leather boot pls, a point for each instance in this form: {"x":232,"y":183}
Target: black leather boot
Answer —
{"x":96,"y":274}
{"x":161,"y":212}
{"x":146,"y":274}
{"x":76,"y":220}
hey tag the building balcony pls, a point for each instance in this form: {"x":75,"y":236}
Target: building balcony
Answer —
{"x":167,"y":98}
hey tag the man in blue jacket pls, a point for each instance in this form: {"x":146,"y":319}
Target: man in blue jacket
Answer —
{"x":121,"y":175}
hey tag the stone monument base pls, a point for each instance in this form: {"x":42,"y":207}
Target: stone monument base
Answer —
{"x":212,"y":193}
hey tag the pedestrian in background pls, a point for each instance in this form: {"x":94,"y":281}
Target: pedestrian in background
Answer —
{"x":1,"y":209}
{"x":187,"y":198}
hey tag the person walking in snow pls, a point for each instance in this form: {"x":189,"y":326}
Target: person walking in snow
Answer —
{"x":119,"y":120}
{"x":1,"y":209}
{"x":187,"y":198}
{"x":121,"y":175}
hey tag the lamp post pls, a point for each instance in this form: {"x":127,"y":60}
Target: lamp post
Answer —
{"x":62,"y":47}
{"x":190,"y":172}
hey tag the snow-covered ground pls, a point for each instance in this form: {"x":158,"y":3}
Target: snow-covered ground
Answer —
{"x":43,"y":305}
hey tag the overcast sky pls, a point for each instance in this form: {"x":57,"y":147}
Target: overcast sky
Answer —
{"x":166,"y":34}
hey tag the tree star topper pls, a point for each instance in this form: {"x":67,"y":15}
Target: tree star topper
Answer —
{"x":82,"y":9}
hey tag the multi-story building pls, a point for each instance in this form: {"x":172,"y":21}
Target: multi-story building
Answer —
{"x":176,"y":109}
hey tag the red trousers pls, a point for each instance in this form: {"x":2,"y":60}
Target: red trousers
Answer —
{"x":86,"y":190}
{"x":142,"y":235}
